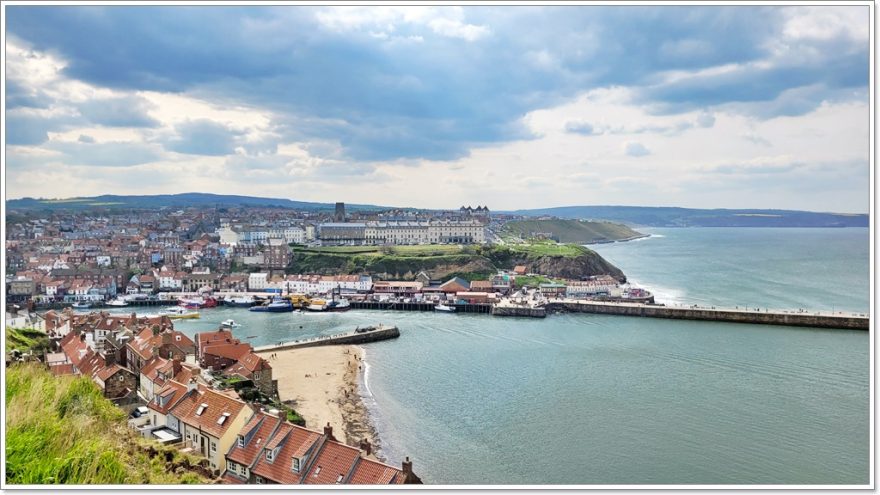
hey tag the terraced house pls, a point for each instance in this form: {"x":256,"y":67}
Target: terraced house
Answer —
{"x":209,"y":422}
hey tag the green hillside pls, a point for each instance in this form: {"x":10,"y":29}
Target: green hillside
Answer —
{"x":441,"y":262}
{"x":61,"y":430}
{"x":574,"y":231}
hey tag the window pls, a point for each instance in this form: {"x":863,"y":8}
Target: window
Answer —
{"x":296,"y":466}
{"x":213,"y":447}
{"x":240,"y":441}
{"x":201,"y":409}
{"x":339,"y":479}
{"x":222,"y":418}
{"x":270,"y":455}
{"x":232,"y":467}
{"x":259,"y":480}
{"x":318,"y":471}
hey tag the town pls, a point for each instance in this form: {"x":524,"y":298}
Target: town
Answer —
{"x":88,"y":279}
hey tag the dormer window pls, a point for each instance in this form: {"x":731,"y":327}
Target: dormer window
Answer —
{"x":222,"y":418}
{"x":296,"y":465}
{"x":201,"y":409}
{"x":270,"y":455}
{"x":240,"y":441}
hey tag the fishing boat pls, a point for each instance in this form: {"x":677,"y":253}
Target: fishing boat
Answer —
{"x":198,"y":302}
{"x":444,"y":308}
{"x":317,"y":305}
{"x":81,"y":305}
{"x":241,"y":302}
{"x":229,"y":324}
{"x":178,"y":313}
{"x":278,"y":305}
{"x":338,"y":305}
{"x":117,"y":302}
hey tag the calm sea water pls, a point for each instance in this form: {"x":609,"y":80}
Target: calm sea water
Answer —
{"x":591,"y":399}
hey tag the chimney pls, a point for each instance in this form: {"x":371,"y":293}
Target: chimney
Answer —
{"x":109,"y":359}
{"x":175,"y":367}
{"x":156,"y":329}
{"x":282,"y":414}
{"x":166,"y":338}
{"x":192,"y":385}
{"x":407,"y":467}
{"x":366,"y":446}
{"x":328,"y":432}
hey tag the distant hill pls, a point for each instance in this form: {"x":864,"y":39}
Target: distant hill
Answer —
{"x":575,"y":231}
{"x":692,"y":217}
{"x":173,"y":201}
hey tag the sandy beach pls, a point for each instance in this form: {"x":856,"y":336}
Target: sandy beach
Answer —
{"x":321,"y":384}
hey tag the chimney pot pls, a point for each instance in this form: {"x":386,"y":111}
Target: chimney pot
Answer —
{"x":328,"y":430}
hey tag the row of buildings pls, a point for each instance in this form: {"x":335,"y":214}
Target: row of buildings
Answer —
{"x":144,"y":364}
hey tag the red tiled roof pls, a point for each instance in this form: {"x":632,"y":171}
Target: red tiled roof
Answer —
{"x":335,"y":459}
{"x":207,"y":421}
{"x":105,"y":373}
{"x":252,"y":362}
{"x":231,"y":351}
{"x":229,"y":479}
{"x":62,"y":369}
{"x":294,"y":442}
{"x":370,"y":472}
{"x":176,"y":391}
{"x":265,"y":425}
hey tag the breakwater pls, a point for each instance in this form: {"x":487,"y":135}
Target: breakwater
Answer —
{"x":364,"y":336}
{"x":803,"y":319}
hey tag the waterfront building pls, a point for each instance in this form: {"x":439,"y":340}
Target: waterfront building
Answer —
{"x":258,"y":281}
{"x":397,"y":288}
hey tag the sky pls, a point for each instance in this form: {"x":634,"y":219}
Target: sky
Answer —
{"x":438,"y":107}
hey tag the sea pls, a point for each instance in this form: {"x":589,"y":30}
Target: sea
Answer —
{"x":582,"y":399}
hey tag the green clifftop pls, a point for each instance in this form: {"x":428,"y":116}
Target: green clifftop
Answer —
{"x":574,"y":231}
{"x":61,"y":430}
{"x":441,"y":262}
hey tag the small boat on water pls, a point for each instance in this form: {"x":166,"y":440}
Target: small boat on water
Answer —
{"x":117,"y":302}
{"x":178,"y":313}
{"x":444,"y":308}
{"x":81,"y":305}
{"x":278,"y":305}
{"x":229,"y":324}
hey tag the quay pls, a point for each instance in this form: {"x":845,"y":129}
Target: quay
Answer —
{"x":803,"y":319}
{"x":419,"y":306}
{"x":365,"y":335}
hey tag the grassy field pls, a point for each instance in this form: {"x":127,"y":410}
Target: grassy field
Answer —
{"x":25,"y":339}
{"x":574,"y":231}
{"x":548,"y":249}
{"x":61,"y":430}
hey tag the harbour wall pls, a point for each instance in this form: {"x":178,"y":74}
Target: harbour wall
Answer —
{"x":352,"y":338}
{"x":724,"y":315}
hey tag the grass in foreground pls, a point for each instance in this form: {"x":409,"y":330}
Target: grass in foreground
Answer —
{"x":25,"y":339}
{"x":61,"y":430}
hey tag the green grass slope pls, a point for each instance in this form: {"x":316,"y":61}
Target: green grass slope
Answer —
{"x":25,"y":339}
{"x":574,"y":231}
{"x":61,"y":430}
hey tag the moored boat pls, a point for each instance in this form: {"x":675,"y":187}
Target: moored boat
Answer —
{"x":444,"y":308}
{"x":317,"y":305}
{"x":278,"y":305}
{"x":338,"y":305}
{"x":81,"y":305}
{"x":178,"y":313}
{"x":117,"y":302}
{"x":241,"y":302}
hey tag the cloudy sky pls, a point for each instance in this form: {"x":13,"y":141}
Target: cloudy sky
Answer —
{"x":514,"y":107}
